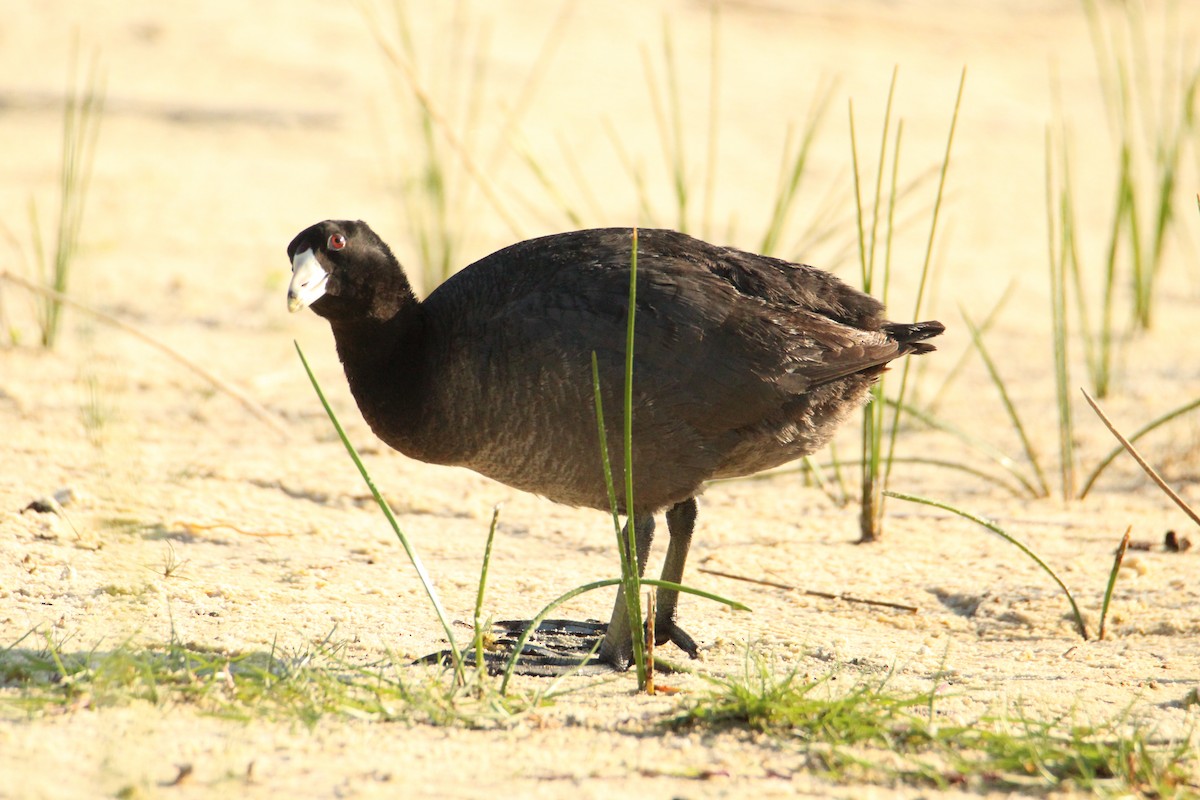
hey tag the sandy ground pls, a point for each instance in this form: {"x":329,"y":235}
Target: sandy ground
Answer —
{"x":228,"y":131}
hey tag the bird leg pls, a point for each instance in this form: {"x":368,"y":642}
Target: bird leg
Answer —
{"x":681,"y":521}
{"x":558,"y":650}
{"x":617,"y":647}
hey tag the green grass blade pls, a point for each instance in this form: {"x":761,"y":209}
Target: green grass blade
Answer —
{"x":426,"y":581}
{"x":630,"y":578}
{"x":677,"y":156}
{"x":679,"y":587}
{"x":890,"y":221}
{"x":808,"y":466}
{"x":879,"y":440}
{"x":627,"y":539}
{"x":579,"y":178}
{"x":1151,"y":123}
{"x":668,"y":118}
{"x":483,"y":573}
{"x":574,"y":216}
{"x":982,"y":446}
{"x":540,"y":67}
{"x":1009,"y":407}
{"x":858,"y":203}
{"x":434,"y":118}
{"x":1060,"y":238}
{"x":868,"y":284}
{"x":1125,"y":219}
{"x":839,"y":479}
{"x":604,"y":459}
{"x":1112,"y":582}
{"x":791,"y":177}
{"x":627,"y":439}
{"x":42,"y":309}
{"x":870,"y":516}
{"x":996,"y":529}
{"x":939,"y":196}
{"x":630,"y":573}
{"x":986,"y":325}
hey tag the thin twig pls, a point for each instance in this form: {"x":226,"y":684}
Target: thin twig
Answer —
{"x":194,"y":527}
{"x":219,"y":383}
{"x":1154,"y":476}
{"x":651,"y":611}
{"x":811,"y":592}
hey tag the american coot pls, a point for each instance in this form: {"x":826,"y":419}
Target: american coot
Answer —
{"x":741,"y":362}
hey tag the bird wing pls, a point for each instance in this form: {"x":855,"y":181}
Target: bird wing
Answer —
{"x":722,"y":337}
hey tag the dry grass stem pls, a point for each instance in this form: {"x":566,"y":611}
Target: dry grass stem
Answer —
{"x":1149,"y":470}
{"x":812,"y":592}
{"x":651,"y":610}
{"x":219,"y":384}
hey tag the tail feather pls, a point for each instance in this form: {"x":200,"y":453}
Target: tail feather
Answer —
{"x":912,"y":335}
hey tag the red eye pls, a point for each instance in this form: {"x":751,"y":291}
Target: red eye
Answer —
{"x":337,"y":241}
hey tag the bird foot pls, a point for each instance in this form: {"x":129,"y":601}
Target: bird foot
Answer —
{"x":671,"y":632}
{"x":620,"y":655}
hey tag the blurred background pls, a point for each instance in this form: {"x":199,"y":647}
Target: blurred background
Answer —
{"x":456,"y":128}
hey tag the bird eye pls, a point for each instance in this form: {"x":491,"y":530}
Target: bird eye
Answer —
{"x":337,"y":241}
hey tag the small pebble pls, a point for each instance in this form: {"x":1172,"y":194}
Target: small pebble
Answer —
{"x":1176,"y":543}
{"x":1138,"y":565}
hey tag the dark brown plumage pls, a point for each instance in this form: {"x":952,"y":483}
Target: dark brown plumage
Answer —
{"x":741,"y":362}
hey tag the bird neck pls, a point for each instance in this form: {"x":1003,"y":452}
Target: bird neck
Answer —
{"x":385,"y":365}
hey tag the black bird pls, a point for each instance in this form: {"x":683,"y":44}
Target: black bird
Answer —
{"x":742,"y":362}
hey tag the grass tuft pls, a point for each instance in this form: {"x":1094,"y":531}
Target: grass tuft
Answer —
{"x":443,"y":98}
{"x":874,"y":735}
{"x":479,"y":640}
{"x":82,"y":112}
{"x":876,"y":464}
{"x":764,"y":701}
{"x":310,"y":684}
{"x":1060,"y":231}
{"x":1152,"y":115}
